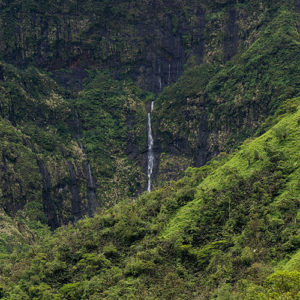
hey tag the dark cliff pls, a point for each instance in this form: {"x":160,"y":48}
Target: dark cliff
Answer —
{"x":78,"y":80}
{"x":149,"y":41}
{"x":84,"y":71}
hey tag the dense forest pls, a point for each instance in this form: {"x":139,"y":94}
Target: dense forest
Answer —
{"x":197,"y":102}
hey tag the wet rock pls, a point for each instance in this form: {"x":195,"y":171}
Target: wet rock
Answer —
{"x":48,"y":201}
{"x":75,"y":192}
{"x":297,"y":6}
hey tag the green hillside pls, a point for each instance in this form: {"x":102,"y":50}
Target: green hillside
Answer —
{"x":213,"y":108}
{"x":228,"y":230}
{"x":50,"y":136}
{"x":92,"y":91}
{"x":76,"y":84}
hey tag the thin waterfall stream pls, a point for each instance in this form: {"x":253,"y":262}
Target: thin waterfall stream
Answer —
{"x":150,"y":148}
{"x":159,"y":76}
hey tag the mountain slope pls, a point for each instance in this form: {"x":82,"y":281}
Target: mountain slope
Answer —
{"x":141,"y":39}
{"x":47,"y":138}
{"x":218,"y":232}
{"x":212,"y":108}
{"x":77,"y":120}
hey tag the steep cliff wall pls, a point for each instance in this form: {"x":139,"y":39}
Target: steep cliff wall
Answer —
{"x":212,"y":108}
{"x":216,"y":70}
{"x":58,"y":164}
{"x":149,"y":41}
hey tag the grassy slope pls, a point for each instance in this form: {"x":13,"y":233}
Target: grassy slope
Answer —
{"x":250,"y":160}
{"x":219,"y":232}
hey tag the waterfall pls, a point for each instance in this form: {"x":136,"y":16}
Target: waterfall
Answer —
{"x":169,"y":75}
{"x":159,"y":83}
{"x":77,"y":126}
{"x":159,"y":76}
{"x":150,"y":148}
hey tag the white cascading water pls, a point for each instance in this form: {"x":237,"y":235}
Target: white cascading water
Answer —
{"x":91,"y":179}
{"x":159,"y":76}
{"x":150,"y":148}
{"x":159,"y":83}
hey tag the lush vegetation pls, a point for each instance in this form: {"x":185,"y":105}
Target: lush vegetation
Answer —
{"x":76,"y":81}
{"x":212,"y":107}
{"x":80,"y":107}
{"x":42,"y":127}
{"x":113,"y":120}
{"x":228,"y":230}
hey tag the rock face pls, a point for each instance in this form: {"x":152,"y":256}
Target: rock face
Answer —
{"x":297,"y":6}
{"x":209,"y":110}
{"x":74,"y":188}
{"x":82,"y":130}
{"x":231,"y":35}
{"x":48,"y":201}
{"x":149,"y":41}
